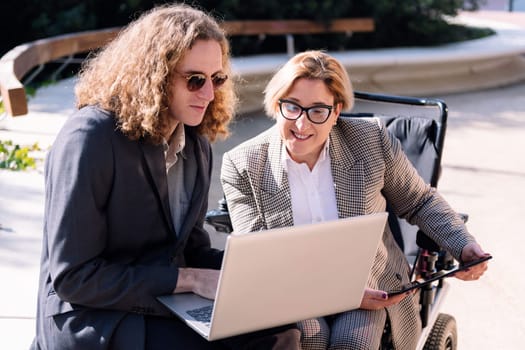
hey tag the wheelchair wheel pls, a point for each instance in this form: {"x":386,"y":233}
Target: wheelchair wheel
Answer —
{"x":444,"y":334}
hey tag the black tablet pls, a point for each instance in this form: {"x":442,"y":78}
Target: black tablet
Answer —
{"x":442,"y":274}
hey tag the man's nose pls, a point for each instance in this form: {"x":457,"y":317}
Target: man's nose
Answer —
{"x":207,"y":92}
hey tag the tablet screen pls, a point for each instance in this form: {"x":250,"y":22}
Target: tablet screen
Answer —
{"x":437,"y":276}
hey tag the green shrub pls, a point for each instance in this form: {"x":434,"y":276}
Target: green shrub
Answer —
{"x":16,"y":157}
{"x":398,"y":23}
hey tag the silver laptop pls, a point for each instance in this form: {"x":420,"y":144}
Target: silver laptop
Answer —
{"x":281,"y":276}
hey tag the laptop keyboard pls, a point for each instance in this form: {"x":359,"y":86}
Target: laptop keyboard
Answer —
{"x":202,"y":314}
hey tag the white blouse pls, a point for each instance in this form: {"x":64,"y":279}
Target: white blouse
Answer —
{"x":312,"y":192}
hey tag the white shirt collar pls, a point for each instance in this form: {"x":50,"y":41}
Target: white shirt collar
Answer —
{"x":322,"y":156}
{"x":312,"y":191}
{"x":174,"y":146}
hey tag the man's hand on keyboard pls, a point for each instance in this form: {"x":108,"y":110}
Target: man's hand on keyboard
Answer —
{"x":202,"y":282}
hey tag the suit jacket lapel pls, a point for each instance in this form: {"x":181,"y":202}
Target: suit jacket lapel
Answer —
{"x":193,"y":151}
{"x":276,"y":200}
{"x":348,"y":175}
{"x":156,"y":166}
{"x":275,"y":179}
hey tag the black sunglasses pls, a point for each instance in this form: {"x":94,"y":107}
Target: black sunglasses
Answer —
{"x":196,"y":81}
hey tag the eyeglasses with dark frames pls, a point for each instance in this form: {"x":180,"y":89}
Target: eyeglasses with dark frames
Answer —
{"x":317,"y":114}
{"x":196,"y":81}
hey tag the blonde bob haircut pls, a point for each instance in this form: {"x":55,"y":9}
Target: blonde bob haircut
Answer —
{"x":132,"y":75}
{"x":309,"y":65}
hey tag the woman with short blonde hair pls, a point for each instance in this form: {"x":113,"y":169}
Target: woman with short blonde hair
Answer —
{"x":310,"y":65}
{"x":314,"y":166}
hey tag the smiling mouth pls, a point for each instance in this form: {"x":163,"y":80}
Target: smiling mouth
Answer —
{"x":299,"y":136}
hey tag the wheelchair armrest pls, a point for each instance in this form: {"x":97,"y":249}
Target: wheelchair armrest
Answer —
{"x":220,"y":218}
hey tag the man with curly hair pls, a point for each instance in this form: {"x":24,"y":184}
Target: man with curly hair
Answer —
{"x":127,"y":183}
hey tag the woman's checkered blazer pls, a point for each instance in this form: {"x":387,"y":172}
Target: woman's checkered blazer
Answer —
{"x":368,"y":169}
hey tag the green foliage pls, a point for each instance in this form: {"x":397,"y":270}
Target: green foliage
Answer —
{"x":29,"y":20}
{"x":398,"y":23}
{"x":418,"y":23}
{"x":278,"y":9}
{"x":32,"y":88}
{"x":16,"y":157}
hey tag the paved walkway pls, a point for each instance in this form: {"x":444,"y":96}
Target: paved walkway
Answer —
{"x":483,"y":175}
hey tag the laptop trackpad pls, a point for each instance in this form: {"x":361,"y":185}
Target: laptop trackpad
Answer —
{"x":191,"y":308}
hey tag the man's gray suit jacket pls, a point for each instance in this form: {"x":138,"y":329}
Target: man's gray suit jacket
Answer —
{"x":109,"y":242}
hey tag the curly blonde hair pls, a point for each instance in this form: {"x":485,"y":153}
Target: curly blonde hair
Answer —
{"x":131,"y":75}
{"x":313,"y":64}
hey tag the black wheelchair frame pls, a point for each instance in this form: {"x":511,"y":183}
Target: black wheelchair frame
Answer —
{"x":420,"y":125}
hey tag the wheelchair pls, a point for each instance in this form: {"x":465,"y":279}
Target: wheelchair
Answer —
{"x":420,"y":125}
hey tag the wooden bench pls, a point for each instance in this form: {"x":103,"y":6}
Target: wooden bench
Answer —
{"x":18,"y":62}
{"x":297,"y":26}
{"x":15,"y":64}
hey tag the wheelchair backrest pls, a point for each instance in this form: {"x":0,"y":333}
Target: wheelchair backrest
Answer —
{"x":420,"y":126}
